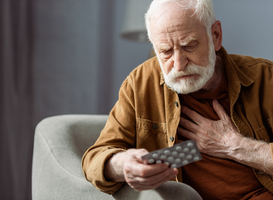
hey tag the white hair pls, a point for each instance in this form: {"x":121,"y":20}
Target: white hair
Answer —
{"x":204,"y":11}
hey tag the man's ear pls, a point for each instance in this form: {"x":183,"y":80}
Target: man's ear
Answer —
{"x":216,"y":31}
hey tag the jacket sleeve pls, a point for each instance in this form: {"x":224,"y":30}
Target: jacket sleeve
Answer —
{"x":117,"y":135}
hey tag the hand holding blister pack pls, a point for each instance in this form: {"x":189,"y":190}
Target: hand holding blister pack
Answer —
{"x":176,"y":156}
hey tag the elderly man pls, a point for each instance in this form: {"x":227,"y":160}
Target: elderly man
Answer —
{"x":193,"y":90}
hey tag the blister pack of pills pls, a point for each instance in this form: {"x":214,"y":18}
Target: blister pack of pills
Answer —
{"x":176,"y":156}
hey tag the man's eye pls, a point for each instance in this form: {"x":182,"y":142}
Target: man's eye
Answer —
{"x":166,"y":52}
{"x":191,"y":48}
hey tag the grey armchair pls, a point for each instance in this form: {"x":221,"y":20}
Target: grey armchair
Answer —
{"x":59,"y":145}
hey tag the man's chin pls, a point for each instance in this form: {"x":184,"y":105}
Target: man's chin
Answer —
{"x":183,"y":89}
{"x":186,"y":88}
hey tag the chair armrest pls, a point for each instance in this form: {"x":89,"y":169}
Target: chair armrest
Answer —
{"x":59,"y":145}
{"x":169,"y":190}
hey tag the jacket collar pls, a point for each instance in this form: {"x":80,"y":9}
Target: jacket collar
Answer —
{"x":234,"y":74}
{"x":162,"y":80}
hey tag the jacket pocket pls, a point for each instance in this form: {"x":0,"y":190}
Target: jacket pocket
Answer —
{"x":151,"y":135}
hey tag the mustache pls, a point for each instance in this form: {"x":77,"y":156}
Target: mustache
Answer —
{"x":190,"y":69}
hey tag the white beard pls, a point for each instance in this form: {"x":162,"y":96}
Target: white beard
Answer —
{"x":191,"y":84}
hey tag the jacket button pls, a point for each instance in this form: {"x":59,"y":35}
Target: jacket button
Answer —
{"x":155,"y":126}
{"x":176,"y":104}
{"x":172,"y":138}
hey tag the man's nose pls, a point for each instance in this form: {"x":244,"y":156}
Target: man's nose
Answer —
{"x":180,"y":61}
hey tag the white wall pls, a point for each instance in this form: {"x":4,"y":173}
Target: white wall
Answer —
{"x":247,"y":26}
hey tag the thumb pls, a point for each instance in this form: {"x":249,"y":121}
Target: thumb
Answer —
{"x":219,"y":109}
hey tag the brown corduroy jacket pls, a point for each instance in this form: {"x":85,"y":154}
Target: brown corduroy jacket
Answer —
{"x":147,"y":114}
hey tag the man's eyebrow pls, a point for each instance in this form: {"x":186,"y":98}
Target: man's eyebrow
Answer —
{"x":163,"y":47}
{"x":184,"y":43}
{"x":187,"y":41}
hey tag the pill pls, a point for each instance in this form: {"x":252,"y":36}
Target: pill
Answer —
{"x":196,"y":158}
{"x":174,"y":166}
{"x":167,"y":152}
{"x":189,"y":157}
{"x":174,"y":153}
{"x":181,"y":155}
{"x":151,"y":161}
{"x":177,"y":160}
{"x":186,"y":150}
{"x":193,"y":151}
{"x":185,"y":162}
{"x":190,"y":144}
{"x":163,"y":157}
{"x":178,"y":148}
{"x":155,"y":155}
{"x":171,"y":159}
{"x":158,"y":161}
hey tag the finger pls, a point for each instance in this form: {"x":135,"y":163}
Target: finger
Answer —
{"x":187,"y":124}
{"x":219,"y":109}
{"x":197,"y":118}
{"x":141,"y":170}
{"x":187,"y":134}
{"x":163,"y":179}
{"x":140,"y":184}
{"x":158,"y":178}
{"x":140,"y":153}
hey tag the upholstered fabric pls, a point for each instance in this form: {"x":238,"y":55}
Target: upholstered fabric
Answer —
{"x":60,"y":142}
{"x":170,"y":190}
{"x":59,"y":145}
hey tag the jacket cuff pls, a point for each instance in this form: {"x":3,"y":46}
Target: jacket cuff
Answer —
{"x":95,"y":172}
